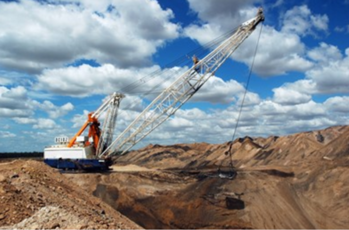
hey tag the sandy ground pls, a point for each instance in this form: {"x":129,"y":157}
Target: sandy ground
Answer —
{"x":129,"y":168}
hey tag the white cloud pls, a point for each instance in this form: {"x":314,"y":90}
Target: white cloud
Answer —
{"x":304,"y":86}
{"x":296,"y":20}
{"x":325,"y":53}
{"x":332,"y":75}
{"x":225,"y":15}
{"x":6,"y":134}
{"x":217,"y":19}
{"x":132,"y":103}
{"x":5,"y":81}
{"x":4,"y":112}
{"x":86,"y":80}
{"x":202,"y":33}
{"x":273,"y":57}
{"x":251,"y":99}
{"x":43,"y":123}
{"x":338,"y":104}
{"x":279,"y":52}
{"x":278,"y":3}
{"x":14,"y":102}
{"x":305,"y":111}
{"x":56,"y":111}
{"x":79,"y":119}
{"x":287,"y":96}
{"x":263,"y":119}
{"x":339,"y":29}
{"x":216,"y":90}
{"x":178,"y":124}
{"x":320,"y":22}
{"x":36,"y":35}
{"x":24,"y":120}
{"x":194,"y":113}
{"x":13,"y":93}
{"x":299,"y":20}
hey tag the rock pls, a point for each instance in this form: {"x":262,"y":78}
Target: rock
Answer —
{"x":2,"y":216}
{"x":53,"y":225}
{"x":15,"y":175}
{"x":83,"y":226}
{"x":2,"y":178}
{"x":35,"y":226}
{"x":320,"y":138}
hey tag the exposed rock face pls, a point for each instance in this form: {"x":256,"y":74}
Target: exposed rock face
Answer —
{"x":292,"y":150}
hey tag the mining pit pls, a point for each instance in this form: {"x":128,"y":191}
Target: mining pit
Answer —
{"x":157,"y":199}
{"x":37,"y":196}
{"x":291,"y":182}
{"x":163,"y":199}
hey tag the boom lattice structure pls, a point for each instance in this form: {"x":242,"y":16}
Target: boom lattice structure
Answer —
{"x":180,"y":91}
{"x":107,"y":134}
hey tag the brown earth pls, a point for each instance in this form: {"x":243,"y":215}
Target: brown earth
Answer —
{"x":295,"y":181}
{"x":35,"y":196}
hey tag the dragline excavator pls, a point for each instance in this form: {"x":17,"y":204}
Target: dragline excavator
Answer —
{"x":95,"y":150}
{"x":81,"y":152}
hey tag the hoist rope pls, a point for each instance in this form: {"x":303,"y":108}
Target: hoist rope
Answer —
{"x":230,"y":151}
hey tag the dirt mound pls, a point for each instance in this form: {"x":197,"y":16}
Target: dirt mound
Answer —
{"x":288,"y":151}
{"x":51,"y":217}
{"x":33,"y":195}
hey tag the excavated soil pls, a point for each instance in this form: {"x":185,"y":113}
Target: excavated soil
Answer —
{"x":35,"y":196}
{"x":298,"y":181}
{"x":262,"y":198}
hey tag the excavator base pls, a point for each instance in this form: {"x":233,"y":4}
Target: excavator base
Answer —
{"x":80,"y":164}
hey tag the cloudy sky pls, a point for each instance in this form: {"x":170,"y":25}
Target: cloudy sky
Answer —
{"x":60,"y":59}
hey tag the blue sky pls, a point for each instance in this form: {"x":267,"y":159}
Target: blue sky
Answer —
{"x":60,"y":59}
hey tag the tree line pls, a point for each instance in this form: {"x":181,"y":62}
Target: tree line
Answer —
{"x":21,"y":154}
